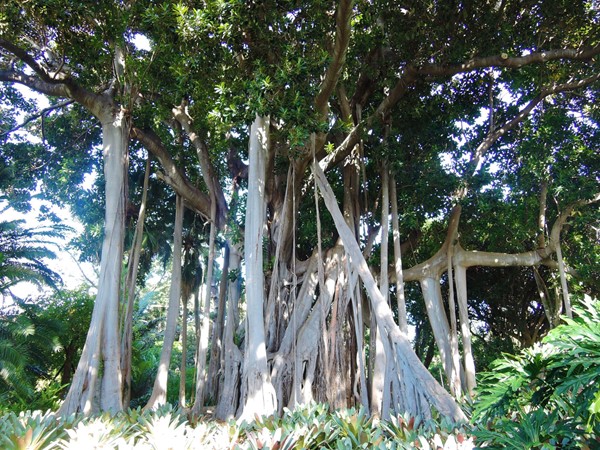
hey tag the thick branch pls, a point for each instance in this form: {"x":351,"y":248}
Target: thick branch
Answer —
{"x":35,"y":83}
{"x":342,"y":39}
{"x":54,"y":86}
{"x":208,"y":172}
{"x":29,"y":60}
{"x":195,"y":199}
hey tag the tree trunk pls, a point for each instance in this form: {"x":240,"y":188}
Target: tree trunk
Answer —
{"x":102,"y":342}
{"x":378,"y":378}
{"x":159,"y":391}
{"x":258,"y":395}
{"x":400,"y":299}
{"x":216,"y":349}
{"x":204,"y":327}
{"x":132,"y":271}
{"x":456,"y":385}
{"x":460,"y":276}
{"x":427,"y":391}
{"x":184,"y":340}
{"x":563,"y":281}
{"x":230,"y":381}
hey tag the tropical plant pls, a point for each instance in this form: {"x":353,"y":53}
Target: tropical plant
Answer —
{"x":22,"y":254}
{"x":547,"y":395}
{"x":39,"y":344}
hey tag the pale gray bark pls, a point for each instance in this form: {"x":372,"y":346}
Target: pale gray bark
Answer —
{"x":183,"y":363}
{"x":132,"y":271}
{"x":455,"y":386}
{"x":563,"y":282}
{"x":258,"y":395}
{"x":378,"y":377}
{"x":205,"y":324}
{"x":102,"y":342}
{"x":216,"y":349}
{"x":400,"y":298}
{"x":460,"y":277}
{"x":159,"y":391}
{"x":410,"y":368}
{"x":230,"y":384}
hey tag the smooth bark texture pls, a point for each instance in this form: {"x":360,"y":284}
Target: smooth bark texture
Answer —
{"x":130,"y":284}
{"x":429,"y":393}
{"x":232,"y":356}
{"x":258,"y":395}
{"x":378,"y":377}
{"x":216,"y":349}
{"x":159,"y":391}
{"x":205,"y":324}
{"x":400,"y":297}
{"x":102,"y":342}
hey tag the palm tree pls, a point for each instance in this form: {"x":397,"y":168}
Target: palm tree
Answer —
{"x":22,"y":254}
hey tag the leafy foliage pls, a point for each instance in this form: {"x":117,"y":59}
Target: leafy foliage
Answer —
{"x":547,"y":395}
{"x":22,"y":254}
{"x":39,"y":346}
{"x":308,"y":427}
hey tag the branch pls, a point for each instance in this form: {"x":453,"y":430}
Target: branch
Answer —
{"x":196,"y":199}
{"x":29,"y":60}
{"x":404,"y":82}
{"x":342,"y":39}
{"x":564,"y":216}
{"x":509,"y":125}
{"x":37,"y":84}
{"x":504,"y":60}
{"x":180,"y":114}
{"x":42,"y":113}
{"x":53,"y":86}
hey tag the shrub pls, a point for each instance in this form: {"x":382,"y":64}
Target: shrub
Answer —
{"x":547,"y":396}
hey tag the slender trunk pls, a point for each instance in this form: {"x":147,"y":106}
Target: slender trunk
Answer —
{"x":159,"y":391}
{"x":455,"y":385}
{"x":460,"y":276}
{"x":430,"y":288}
{"x":132,"y":271}
{"x":183,"y":364}
{"x":230,"y":385}
{"x":258,"y":395}
{"x":216,"y":349}
{"x":400,"y":298}
{"x":542,"y":215}
{"x":355,"y":293}
{"x":378,"y":380}
{"x":102,"y":341}
{"x":563,"y":281}
{"x":204,"y":327}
